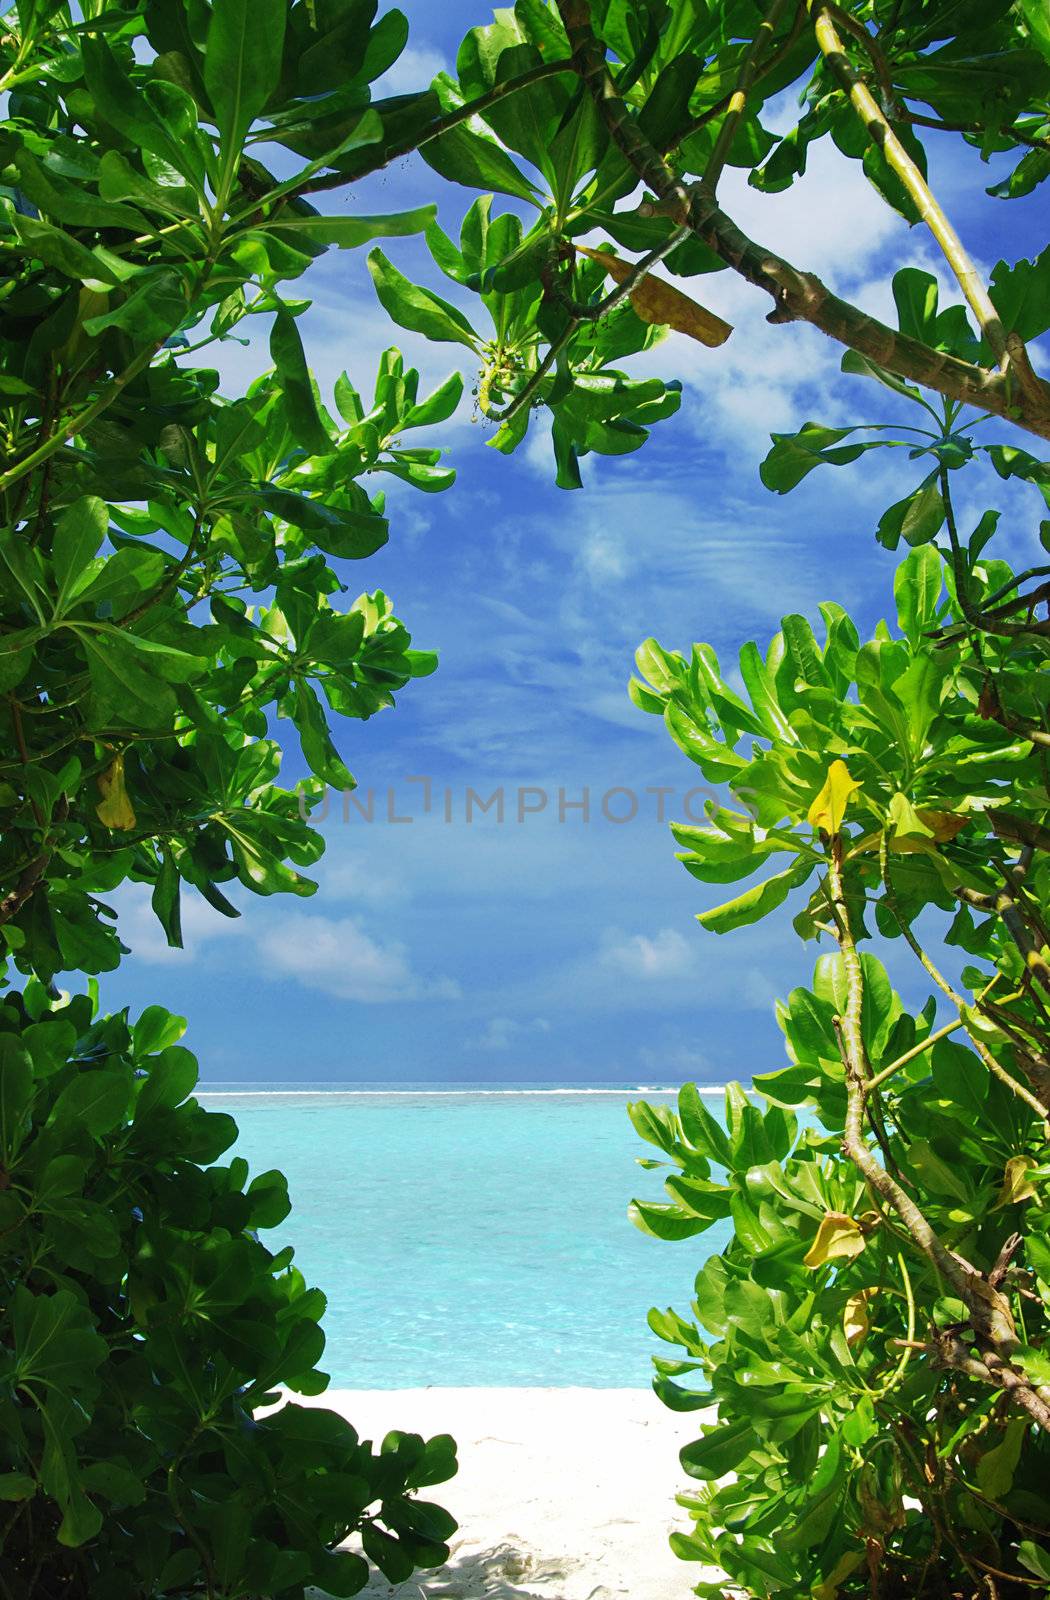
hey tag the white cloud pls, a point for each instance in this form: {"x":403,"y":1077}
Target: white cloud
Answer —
{"x":831,"y":221}
{"x":332,"y":954}
{"x":414,"y":70}
{"x":501,"y":1032}
{"x":353,"y":878}
{"x":666,"y":955}
{"x":336,"y":956}
{"x":141,"y":931}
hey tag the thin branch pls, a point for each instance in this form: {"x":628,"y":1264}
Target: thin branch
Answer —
{"x":171,"y":581}
{"x":849,"y":1029}
{"x":526,"y":395}
{"x":870,"y":45}
{"x":882,"y":135}
{"x":918,"y":1050}
{"x":738,"y":99}
{"x":440,"y":125}
{"x":70,"y":426}
{"x":624,"y":290}
{"x":990,"y":1318}
{"x":15,"y":899}
{"x":709,"y":113}
{"x":1034,"y":141}
{"x":1040,"y":1106}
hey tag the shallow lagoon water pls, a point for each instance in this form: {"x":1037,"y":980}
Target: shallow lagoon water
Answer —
{"x":468,"y":1237}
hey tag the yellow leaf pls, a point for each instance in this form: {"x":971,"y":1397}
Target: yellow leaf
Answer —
{"x":838,"y":1235}
{"x":856,"y":1324}
{"x":659,"y":302}
{"x":916,"y":829}
{"x":944,"y":825}
{"x":1016,"y":1184}
{"x":115,"y":809}
{"x":829,"y":808}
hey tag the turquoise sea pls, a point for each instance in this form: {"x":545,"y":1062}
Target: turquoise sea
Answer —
{"x":467,"y":1236}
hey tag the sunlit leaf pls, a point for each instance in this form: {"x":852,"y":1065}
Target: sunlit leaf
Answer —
{"x":828,"y":810}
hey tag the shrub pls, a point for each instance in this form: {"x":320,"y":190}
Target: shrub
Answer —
{"x":876,"y":1334}
{"x":146,"y":1326}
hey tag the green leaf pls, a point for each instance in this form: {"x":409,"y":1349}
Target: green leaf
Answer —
{"x":67,"y":202}
{"x":268,"y":1194}
{"x":60,"y":250}
{"x":666,"y":1221}
{"x":321,"y":754}
{"x":656,"y":1124}
{"x":720,"y":1450}
{"x":794,"y":455}
{"x":122,"y":105}
{"x":340,"y":1573}
{"x":702,"y":1130}
{"x":1035,"y":1557}
{"x":351,"y":231}
{"x":16,"y":1093}
{"x":242,"y":62}
{"x":1032,"y":170}
{"x":95,"y":1101}
{"x":172,"y":1078}
{"x":917,"y":518}
{"x":304,"y":417}
{"x":156,"y":1029}
{"x":478,"y":162}
{"x":417,"y":309}
{"x":17,"y":1486}
{"x":757,"y":902}
{"x":996,"y":1467}
{"x":438,"y":406}
{"x":119,"y":180}
{"x":388,"y":1553}
{"x":124,"y":692}
{"x":79,"y":531}
{"x":915,"y":296}
{"x":1021,"y":293}
{"x":917,"y":588}
{"x":151,"y":312}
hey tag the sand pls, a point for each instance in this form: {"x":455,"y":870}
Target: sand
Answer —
{"x":562,"y":1494}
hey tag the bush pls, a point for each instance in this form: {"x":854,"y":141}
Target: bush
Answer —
{"x":146,"y":1323}
{"x":876,"y":1335}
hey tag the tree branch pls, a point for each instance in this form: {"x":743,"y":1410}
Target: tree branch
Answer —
{"x":440,"y":125}
{"x":798,"y":296}
{"x":990,"y":1317}
{"x":738,"y":99}
{"x":881,"y":134}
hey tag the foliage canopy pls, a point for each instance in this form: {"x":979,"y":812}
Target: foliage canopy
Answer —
{"x":878,"y":1322}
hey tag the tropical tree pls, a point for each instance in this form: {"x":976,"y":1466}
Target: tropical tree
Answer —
{"x":172,"y":562}
{"x":140,"y":508}
{"x":875,"y":1336}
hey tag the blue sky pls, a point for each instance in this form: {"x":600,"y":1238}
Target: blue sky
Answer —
{"x":564,"y":949}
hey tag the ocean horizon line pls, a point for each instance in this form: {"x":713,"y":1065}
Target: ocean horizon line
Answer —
{"x":474,"y":1091}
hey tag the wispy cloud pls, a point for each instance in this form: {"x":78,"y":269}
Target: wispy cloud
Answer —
{"x":660,"y":956}
{"x":335,"y":955}
{"x":500,"y":1033}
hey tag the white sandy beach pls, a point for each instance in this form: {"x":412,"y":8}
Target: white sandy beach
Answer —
{"x":562,"y":1494}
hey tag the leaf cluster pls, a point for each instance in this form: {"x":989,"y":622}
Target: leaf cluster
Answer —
{"x":173,"y":566}
{"x":173,"y":559}
{"x":875,"y":1335}
{"x":147,"y":1328}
